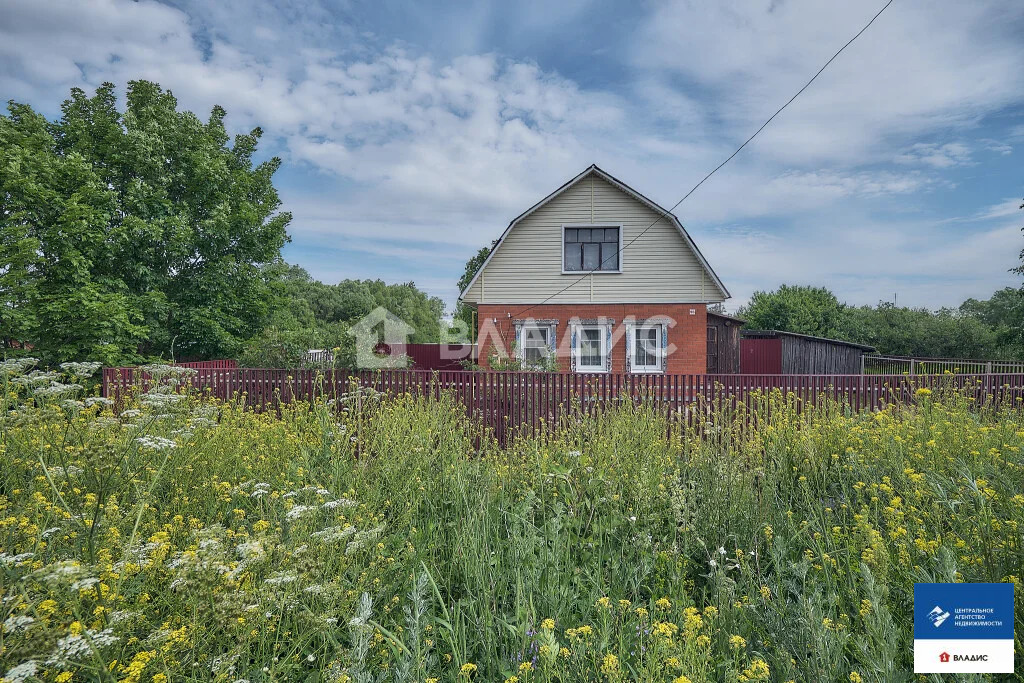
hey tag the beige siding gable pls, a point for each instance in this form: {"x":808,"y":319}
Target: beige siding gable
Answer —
{"x":660,"y":267}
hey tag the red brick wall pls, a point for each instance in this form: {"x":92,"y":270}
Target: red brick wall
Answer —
{"x":688,"y":334}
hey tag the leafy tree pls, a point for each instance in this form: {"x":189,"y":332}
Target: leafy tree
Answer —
{"x":464,"y":312}
{"x":795,"y":308}
{"x":1003,"y":312}
{"x":134,"y":233}
{"x":287,"y":348}
{"x":410,"y":304}
{"x":902,"y":331}
{"x":308,"y":314}
{"x":977,"y":329}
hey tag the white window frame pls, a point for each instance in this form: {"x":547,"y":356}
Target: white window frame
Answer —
{"x":577,"y":351}
{"x":573,"y":226}
{"x":659,"y":366}
{"x":550,"y":330}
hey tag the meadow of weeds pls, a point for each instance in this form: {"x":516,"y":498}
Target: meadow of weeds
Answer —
{"x":377,"y":539}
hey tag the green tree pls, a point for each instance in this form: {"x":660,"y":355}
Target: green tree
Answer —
{"x":901,"y":331}
{"x":795,"y":308}
{"x":1003,"y":312}
{"x":464,"y":312}
{"x":138,"y":232}
{"x":410,"y":304}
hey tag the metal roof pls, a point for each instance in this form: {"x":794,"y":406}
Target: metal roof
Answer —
{"x":771,"y":334}
{"x":732,"y":318}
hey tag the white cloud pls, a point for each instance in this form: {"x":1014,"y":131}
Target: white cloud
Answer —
{"x":426,"y":158}
{"x":921,"y":67}
{"x":936,"y":155}
{"x":1007,"y":207}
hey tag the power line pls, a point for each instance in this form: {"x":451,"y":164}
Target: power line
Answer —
{"x":716,"y":168}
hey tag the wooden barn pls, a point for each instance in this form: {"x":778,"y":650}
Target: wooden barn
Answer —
{"x":723,"y":344}
{"x":771,"y":352}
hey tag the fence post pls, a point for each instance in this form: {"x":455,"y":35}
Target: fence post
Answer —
{"x":912,"y":362}
{"x":988,"y":368}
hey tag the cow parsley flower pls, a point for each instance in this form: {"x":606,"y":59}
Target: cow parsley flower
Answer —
{"x":18,"y":622}
{"x":76,"y":646}
{"x":81,"y":369}
{"x":340,"y":503}
{"x":299,"y":511}
{"x":157,"y":443}
{"x":22,"y":672}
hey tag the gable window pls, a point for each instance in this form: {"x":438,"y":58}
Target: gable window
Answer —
{"x":646,"y":348}
{"x":590,"y":347}
{"x":591,"y":248}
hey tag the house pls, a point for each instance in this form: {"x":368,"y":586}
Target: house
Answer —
{"x":598,"y":278}
{"x":772,"y":352}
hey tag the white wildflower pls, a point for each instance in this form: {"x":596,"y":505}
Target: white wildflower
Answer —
{"x":300,"y":511}
{"x":16,"y":366}
{"x":85,"y":583}
{"x":157,"y":443}
{"x":259,"y":490}
{"x":81,"y":369}
{"x":251,"y":550}
{"x":333,"y":534}
{"x":74,"y":647}
{"x":281,"y":579}
{"x":59,"y":472}
{"x":22,"y":672}
{"x":129,"y":414}
{"x":57,"y":389}
{"x":36,"y":378}
{"x":340,"y":503}
{"x":8,"y":560}
{"x":18,"y":622}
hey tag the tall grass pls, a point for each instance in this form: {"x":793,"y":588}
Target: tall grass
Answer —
{"x":378,"y":539}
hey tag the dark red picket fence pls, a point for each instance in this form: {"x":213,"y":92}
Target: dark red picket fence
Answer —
{"x":210,"y":364}
{"x":504,"y":401}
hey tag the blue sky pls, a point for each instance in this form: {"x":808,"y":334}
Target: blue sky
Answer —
{"x":413,"y":132}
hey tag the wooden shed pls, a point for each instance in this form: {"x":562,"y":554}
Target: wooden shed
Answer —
{"x":772,"y":352}
{"x":723,"y":344}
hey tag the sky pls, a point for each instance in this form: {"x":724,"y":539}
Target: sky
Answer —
{"x":413,"y":132}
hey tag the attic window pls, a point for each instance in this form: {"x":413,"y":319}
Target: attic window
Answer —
{"x":591,"y":248}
